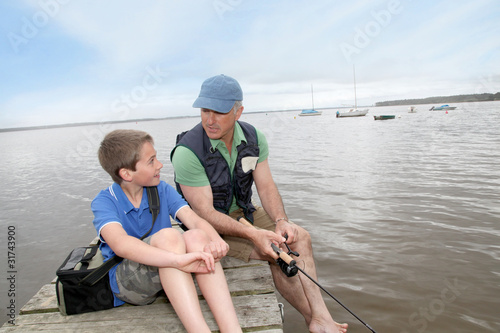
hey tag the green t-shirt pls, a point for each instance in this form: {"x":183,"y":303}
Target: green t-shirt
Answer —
{"x":190,"y":172}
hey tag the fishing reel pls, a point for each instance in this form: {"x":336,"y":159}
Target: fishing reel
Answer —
{"x":286,"y":268}
{"x":285,"y":262}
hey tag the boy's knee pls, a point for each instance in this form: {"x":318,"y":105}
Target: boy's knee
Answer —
{"x":167,"y":236}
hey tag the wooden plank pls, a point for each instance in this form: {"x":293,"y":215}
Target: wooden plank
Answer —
{"x":249,"y":280}
{"x":255,"y":313}
{"x":230,"y":262}
{"x":45,"y":300}
{"x":251,"y":286}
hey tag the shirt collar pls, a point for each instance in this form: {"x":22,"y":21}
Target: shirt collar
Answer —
{"x":238,"y":138}
{"x":126,"y":205}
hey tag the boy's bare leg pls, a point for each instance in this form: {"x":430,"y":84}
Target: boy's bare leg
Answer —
{"x":214,"y":288}
{"x":178,"y":285}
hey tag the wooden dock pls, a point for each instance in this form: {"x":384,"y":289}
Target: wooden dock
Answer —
{"x":251,"y":286}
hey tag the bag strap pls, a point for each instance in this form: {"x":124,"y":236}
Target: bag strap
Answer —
{"x":101,"y":271}
{"x":154,"y":206}
{"x":88,"y":257}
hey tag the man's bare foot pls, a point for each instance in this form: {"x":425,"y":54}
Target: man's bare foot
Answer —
{"x":342,"y":327}
{"x":322,"y":327}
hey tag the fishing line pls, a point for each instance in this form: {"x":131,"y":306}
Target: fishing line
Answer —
{"x":290,"y":268}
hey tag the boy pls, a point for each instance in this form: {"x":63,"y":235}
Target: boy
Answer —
{"x":166,"y":258}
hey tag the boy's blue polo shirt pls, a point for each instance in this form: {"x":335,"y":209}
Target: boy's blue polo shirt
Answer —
{"x":112,"y":206}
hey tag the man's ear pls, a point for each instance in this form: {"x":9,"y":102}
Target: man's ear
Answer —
{"x":239,"y":112}
{"x":125,"y":174}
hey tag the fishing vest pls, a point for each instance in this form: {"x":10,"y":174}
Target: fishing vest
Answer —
{"x":224,"y":187}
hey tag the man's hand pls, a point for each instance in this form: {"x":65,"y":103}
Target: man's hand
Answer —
{"x":262,"y":241}
{"x":285,"y":228}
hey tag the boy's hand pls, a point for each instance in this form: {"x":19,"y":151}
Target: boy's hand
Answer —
{"x":218,"y":249}
{"x":196,"y":262}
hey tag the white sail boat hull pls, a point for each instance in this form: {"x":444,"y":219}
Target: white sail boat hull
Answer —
{"x":354,"y":113}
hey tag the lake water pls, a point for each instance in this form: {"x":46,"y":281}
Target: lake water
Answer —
{"x":404,"y":213}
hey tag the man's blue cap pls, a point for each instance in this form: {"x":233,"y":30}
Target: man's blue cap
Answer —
{"x":219,"y":93}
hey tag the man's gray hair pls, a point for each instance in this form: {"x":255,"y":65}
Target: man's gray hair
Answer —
{"x":237,"y":105}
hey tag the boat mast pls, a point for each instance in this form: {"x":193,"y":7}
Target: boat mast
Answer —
{"x":312,"y":96}
{"x":355,"y":102}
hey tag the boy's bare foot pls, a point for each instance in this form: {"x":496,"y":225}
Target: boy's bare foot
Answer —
{"x":322,"y":327}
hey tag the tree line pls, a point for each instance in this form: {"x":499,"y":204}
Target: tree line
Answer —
{"x":444,"y":99}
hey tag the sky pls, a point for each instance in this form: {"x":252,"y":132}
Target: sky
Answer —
{"x":71,"y":61}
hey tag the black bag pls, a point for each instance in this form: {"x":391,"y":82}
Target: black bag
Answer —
{"x":82,"y":283}
{"x":74,"y":297}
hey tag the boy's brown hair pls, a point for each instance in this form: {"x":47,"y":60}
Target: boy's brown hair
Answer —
{"x":121,"y":149}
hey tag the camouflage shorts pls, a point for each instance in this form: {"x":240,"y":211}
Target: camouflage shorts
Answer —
{"x":138,"y":284}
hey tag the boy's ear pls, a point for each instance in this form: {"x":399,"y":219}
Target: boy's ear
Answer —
{"x":125,"y":174}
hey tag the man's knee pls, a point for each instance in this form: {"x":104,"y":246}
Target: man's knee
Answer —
{"x":304,"y":236}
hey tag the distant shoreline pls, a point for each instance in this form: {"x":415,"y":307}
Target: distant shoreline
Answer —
{"x":429,"y":100}
{"x":29,"y":128}
{"x":444,"y":99}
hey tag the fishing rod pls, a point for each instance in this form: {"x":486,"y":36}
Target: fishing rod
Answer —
{"x":290,"y":268}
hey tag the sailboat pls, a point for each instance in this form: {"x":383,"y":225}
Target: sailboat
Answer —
{"x":310,"y":112}
{"x":353,"y":112}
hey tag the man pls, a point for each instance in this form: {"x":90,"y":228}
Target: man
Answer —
{"x":215,"y":165}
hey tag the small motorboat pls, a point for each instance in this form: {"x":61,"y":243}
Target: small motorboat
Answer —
{"x":384,"y":117}
{"x":442,"y":108}
{"x":412,"y":109}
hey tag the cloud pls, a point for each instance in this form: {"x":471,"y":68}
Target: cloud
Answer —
{"x":128,"y":34}
{"x":88,"y":55}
